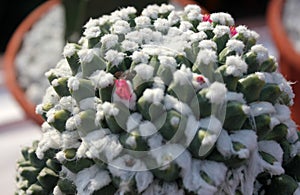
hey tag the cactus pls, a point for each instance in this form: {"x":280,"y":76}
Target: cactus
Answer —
{"x":166,"y":102}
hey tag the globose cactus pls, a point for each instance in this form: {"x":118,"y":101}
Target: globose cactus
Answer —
{"x":166,"y":102}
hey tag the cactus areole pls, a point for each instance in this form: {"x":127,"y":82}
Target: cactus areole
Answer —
{"x":166,"y":102}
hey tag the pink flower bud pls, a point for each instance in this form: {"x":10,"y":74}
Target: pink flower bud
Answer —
{"x":123,"y":89}
{"x":200,"y":79}
{"x":233,"y":31}
{"x":206,"y":18}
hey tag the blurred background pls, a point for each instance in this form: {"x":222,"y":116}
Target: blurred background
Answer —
{"x":16,"y":130}
{"x":12,"y":12}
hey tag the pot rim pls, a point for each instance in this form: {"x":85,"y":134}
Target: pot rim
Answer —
{"x":279,"y":34}
{"x":11,"y":51}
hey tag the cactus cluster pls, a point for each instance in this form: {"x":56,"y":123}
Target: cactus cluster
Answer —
{"x":165,"y":102}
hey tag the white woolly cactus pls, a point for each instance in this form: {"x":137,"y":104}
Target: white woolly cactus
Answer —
{"x":168,"y":102}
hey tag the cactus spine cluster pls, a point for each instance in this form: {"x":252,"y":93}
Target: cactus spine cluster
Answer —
{"x":166,"y":102}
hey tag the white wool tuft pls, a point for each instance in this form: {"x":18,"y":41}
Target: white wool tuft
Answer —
{"x":235,"y":45}
{"x":155,"y":141}
{"x":50,"y":139}
{"x":173,"y":18}
{"x":147,"y":128}
{"x":206,"y":57}
{"x":109,"y":40}
{"x":222,"y":18}
{"x":212,"y":124}
{"x":145,"y":71}
{"x":284,"y":85}
{"x":120,"y":27}
{"x":108,"y":109}
{"x":131,"y":141}
{"x":224,"y":144}
{"x":114,"y":57}
{"x":161,"y":24}
{"x":102,"y":79}
{"x":91,"y":23}
{"x":260,"y":75}
{"x":133,"y":121}
{"x":214,"y":128}
{"x":194,"y":15}
{"x":172,"y":102}
{"x":203,"y":26}
{"x":221,"y":30}
{"x":166,"y":154}
{"x":158,"y":83}
{"x":271,"y":147}
{"x":167,"y":61}
{"x":292,"y":135}
{"x":216,"y":93}
{"x":174,"y":121}
{"x":234,"y":96}
{"x":143,"y":179}
{"x":236,"y":66}
{"x":274,"y":122}
{"x":140,"y":57}
{"x":207,"y":44}
{"x":129,"y":46}
{"x":243,"y":30}
{"x":69,"y":50}
{"x":154,"y":96}
{"x":151,"y":11}
{"x":184,"y":76}
{"x":274,"y":149}
{"x":73,"y":122}
{"x":57,"y":191}
{"x":248,"y":138}
{"x":194,"y":182}
{"x":91,"y":179}
{"x":142,"y":21}
{"x":283,"y":112}
{"x":165,"y":8}
{"x":68,"y":103}
{"x":268,"y":77}
{"x":261,"y":52}
{"x":191,"y":129}
{"x":70,"y":139}
{"x":101,"y":144}
{"x":215,"y":170}
{"x":166,"y":188}
{"x":73,"y":83}
{"x":192,"y":8}
{"x":197,"y":37}
{"x":92,"y":32}
{"x":87,"y":55}
{"x":258,"y":108}
{"x":185,"y":26}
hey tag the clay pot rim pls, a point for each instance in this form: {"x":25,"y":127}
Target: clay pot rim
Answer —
{"x":11,"y":51}
{"x":279,"y":34}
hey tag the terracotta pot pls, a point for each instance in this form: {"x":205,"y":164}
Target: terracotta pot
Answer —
{"x":289,"y":58}
{"x":15,"y":44}
{"x":9,"y":59}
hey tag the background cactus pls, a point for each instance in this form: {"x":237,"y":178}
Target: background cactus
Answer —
{"x":166,"y":102}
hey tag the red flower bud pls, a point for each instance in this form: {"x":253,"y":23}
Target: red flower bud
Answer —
{"x":206,"y":18}
{"x":123,"y":89}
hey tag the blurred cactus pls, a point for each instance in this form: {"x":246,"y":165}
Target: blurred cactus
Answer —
{"x":78,"y":12}
{"x":166,"y":102}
